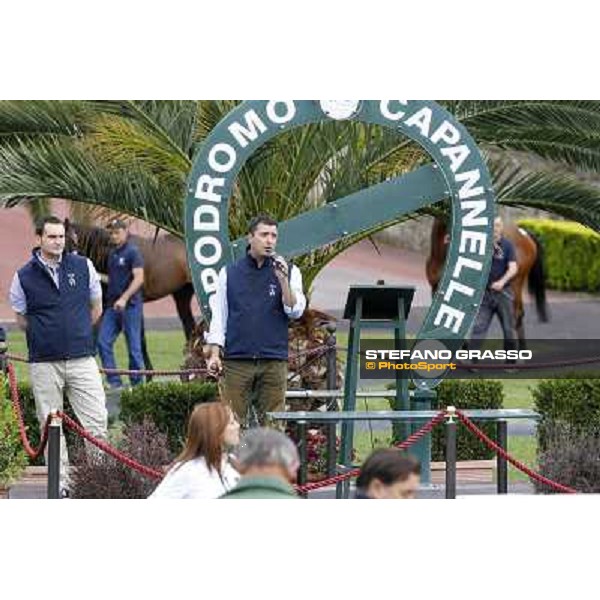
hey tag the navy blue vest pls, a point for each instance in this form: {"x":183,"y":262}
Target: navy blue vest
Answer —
{"x":257,"y":326}
{"x":59,"y":323}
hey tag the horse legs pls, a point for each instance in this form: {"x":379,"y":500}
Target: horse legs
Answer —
{"x":183,"y":301}
{"x":520,"y":324}
{"x":147,"y":361}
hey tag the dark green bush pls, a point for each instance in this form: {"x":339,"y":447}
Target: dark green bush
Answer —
{"x":468,"y":394}
{"x":167,"y":404}
{"x":574,"y":402}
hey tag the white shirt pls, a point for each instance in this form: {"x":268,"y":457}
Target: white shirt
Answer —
{"x":193,"y":481}
{"x":218,"y":305}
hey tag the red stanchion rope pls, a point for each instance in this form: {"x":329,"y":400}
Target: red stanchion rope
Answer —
{"x":513,"y":461}
{"x":71,"y":424}
{"x":409,"y":441}
{"x":318,"y":351}
{"x":32,"y":452}
{"x":110,"y":450}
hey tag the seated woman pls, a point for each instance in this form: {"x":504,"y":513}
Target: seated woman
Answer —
{"x":203,"y":469}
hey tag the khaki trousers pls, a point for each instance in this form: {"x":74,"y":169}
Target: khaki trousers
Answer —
{"x":80,"y":379}
{"x":254,"y":383}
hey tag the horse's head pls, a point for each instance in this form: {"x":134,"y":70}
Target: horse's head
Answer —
{"x":93,"y":242}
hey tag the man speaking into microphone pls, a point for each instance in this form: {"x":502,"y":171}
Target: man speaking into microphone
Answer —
{"x":248,"y":337}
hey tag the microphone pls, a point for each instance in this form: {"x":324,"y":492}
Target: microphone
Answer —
{"x":280,"y":264}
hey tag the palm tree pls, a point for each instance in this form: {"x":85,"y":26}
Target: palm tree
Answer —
{"x":134,"y":157}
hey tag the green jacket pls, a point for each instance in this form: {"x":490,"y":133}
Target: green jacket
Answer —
{"x":256,"y":488}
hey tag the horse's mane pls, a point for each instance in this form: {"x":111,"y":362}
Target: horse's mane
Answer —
{"x":90,"y":241}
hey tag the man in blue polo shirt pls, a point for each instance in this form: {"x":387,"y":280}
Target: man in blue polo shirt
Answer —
{"x":498,"y":298}
{"x":124,"y":310}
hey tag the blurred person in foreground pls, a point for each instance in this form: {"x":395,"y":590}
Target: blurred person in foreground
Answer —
{"x":268,"y":462}
{"x":203,"y":470}
{"x":389,"y":474}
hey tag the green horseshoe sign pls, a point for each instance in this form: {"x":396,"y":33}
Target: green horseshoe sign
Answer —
{"x":458,"y":173}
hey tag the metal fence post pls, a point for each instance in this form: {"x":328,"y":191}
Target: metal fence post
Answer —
{"x":502,"y":465}
{"x":3,"y":349}
{"x":451,"y":453}
{"x":54,"y":457}
{"x":332,"y":403}
{"x":303,"y":453}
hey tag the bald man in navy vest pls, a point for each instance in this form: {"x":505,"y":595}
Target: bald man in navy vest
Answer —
{"x":248,"y":337}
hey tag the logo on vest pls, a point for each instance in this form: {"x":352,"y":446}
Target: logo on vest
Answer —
{"x":272,"y":289}
{"x":71,"y":279}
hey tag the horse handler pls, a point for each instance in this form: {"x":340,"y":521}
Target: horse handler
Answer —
{"x":125,"y":305}
{"x":498,"y":298}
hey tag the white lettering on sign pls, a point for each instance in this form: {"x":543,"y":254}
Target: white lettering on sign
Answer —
{"x":210,"y":242}
{"x":243,"y":134}
{"x":471,"y":193}
{"x":275,"y":114}
{"x":217,"y":151}
{"x":206,"y":218}
{"x":205,"y":188}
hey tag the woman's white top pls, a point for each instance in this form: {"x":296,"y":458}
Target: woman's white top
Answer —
{"x":193,"y":480}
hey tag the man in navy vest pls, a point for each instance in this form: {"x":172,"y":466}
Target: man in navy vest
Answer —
{"x":498,"y":298}
{"x":124,"y":310}
{"x":57,"y":298}
{"x":255,"y":298}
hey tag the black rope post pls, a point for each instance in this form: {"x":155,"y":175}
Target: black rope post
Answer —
{"x":502,"y":465}
{"x":303,"y":454}
{"x":54,"y":457}
{"x":332,"y":403}
{"x":3,"y":349}
{"x":451,"y":453}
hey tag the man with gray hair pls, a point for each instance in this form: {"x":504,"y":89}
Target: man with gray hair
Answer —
{"x":268,"y":462}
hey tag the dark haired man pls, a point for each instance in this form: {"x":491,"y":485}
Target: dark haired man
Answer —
{"x":57,"y":298}
{"x":498,"y":298}
{"x":389,"y":474}
{"x":255,"y":298}
{"x":124,"y":310}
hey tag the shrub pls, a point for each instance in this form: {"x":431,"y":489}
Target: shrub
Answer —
{"x":467,"y":394}
{"x":571,"y":253}
{"x":12,"y":455}
{"x":167,"y":404}
{"x":98,"y":475}
{"x":574,"y":402}
{"x":571,"y":457}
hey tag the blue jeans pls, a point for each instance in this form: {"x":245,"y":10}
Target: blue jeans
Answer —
{"x":129,"y":322}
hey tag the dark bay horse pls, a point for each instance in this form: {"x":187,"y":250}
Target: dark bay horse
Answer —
{"x":529,"y":261}
{"x":166,"y":271}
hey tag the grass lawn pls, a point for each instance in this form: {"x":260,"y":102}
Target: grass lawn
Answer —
{"x":165,"y":349}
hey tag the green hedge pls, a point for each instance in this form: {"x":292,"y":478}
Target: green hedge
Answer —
{"x":571,"y":254}
{"x":12,"y":455}
{"x":468,"y":394}
{"x":167,"y":404}
{"x":574,"y":402}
